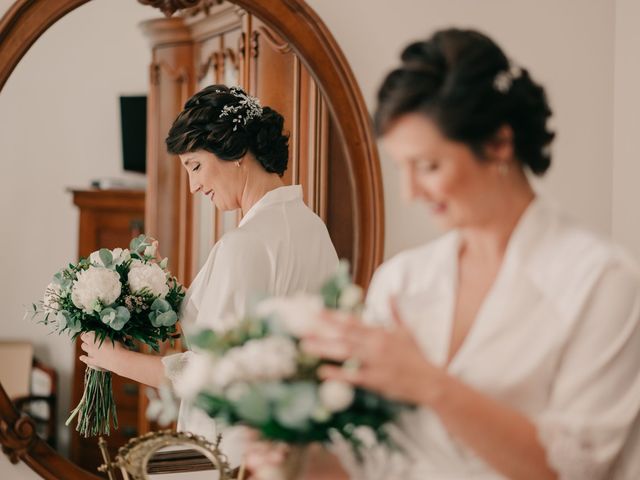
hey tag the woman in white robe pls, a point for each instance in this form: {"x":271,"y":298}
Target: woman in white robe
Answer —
{"x":235,"y":152}
{"x":517,"y":333}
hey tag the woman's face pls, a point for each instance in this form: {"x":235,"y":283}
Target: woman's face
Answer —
{"x":457,"y":186}
{"x":219,"y":180}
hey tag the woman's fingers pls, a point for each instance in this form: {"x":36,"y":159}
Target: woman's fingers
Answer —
{"x":87,"y":337}
{"x":328,"y":349}
{"x":87,"y":360}
{"x":348,"y":375}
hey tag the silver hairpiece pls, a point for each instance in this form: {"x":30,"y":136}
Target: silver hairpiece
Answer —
{"x":247,"y":108}
{"x":503,"y":79}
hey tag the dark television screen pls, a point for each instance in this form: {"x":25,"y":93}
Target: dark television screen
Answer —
{"x":133,"y":120}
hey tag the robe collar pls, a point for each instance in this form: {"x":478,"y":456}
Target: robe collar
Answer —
{"x":278,"y":195}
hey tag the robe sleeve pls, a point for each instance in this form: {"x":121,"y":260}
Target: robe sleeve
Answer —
{"x":242,"y":270}
{"x":595,"y":398}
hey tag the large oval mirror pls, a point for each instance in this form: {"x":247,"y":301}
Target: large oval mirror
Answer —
{"x":112,"y":59}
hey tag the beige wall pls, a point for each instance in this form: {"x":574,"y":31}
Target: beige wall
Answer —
{"x":626,"y":126}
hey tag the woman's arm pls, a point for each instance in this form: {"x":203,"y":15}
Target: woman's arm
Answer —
{"x":503,"y":437}
{"x":141,"y":367}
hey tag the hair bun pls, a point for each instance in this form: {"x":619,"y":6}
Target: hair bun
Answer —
{"x":228,"y":123}
{"x":267,"y":142}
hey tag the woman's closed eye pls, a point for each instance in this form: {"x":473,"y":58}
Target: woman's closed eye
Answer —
{"x":196,"y":167}
{"x":425,"y":166}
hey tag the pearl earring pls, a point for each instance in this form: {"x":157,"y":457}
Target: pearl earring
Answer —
{"x":238,"y":163}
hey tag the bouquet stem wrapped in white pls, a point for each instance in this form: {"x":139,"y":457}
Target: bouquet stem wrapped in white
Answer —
{"x":122,"y":296}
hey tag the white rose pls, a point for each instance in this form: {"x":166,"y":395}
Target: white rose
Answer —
{"x":94,"y":287}
{"x":297,"y":315}
{"x":335,"y":396}
{"x":149,"y":276}
{"x":119,"y":256}
{"x":51,"y":301}
{"x":150,"y":251}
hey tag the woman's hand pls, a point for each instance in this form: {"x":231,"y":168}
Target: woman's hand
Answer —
{"x":273,"y":461}
{"x":107,"y":356}
{"x":265,"y":460}
{"x":388,"y":361}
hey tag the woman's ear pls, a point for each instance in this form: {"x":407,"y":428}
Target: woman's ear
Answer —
{"x":500,"y":148}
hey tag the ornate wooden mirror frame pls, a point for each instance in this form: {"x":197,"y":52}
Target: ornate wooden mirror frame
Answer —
{"x":296,"y":22}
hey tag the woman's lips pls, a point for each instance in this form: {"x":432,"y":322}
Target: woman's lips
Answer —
{"x":438,"y":208}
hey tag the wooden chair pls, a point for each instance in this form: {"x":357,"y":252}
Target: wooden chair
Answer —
{"x":31,"y":385}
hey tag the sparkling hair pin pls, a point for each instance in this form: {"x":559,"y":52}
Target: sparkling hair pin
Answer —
{"x":504,"y":79}
{"x":246,"y":109}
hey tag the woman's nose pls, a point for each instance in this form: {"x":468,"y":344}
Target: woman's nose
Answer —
{"x":194,"y":187}
{"x":410,"y":188}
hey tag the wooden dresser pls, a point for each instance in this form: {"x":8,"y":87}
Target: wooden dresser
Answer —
{"x":108,"y":219}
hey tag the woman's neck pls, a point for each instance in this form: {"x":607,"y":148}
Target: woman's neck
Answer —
{"x":258,"y":183}
{"x":489,"y":239}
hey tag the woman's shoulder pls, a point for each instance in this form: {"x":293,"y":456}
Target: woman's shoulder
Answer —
{"x":241,"y":243}
{"x":569,"y":246}
{"x":419,"y":265}
{"x":570,"y":260}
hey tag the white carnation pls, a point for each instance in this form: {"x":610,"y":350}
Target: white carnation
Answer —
{"x":335,"y":396}
{"x":94,"y":287}
{"x":148,"y":276}
{"x":51,"y":301}
{"x":297,"y":315}
{"x":272,"y":358}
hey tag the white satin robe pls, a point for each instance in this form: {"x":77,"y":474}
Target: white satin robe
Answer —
{"x":557,"y":338}
{"x":279,"y":248}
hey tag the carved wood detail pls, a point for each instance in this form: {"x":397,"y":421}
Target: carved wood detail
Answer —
{"x":169,"y":7}
{"x":17,"y":438}
{"x":276,"y":44}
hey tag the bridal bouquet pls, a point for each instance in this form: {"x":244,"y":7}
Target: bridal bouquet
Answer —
{"x":255,"y":374}
{"x":121,"y":295}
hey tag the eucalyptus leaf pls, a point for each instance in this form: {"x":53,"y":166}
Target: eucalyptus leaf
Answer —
{"x":106,"y":257}
{"x":137,"y":242}
{"x":164,"y":319}
{"x":253,"y":406}
{"x":296,"y":408}
{"x":160,"y":305}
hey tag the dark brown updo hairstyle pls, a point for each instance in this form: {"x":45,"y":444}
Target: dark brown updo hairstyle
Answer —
{"x":463,"y":81}
{"x":245,"y":127}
